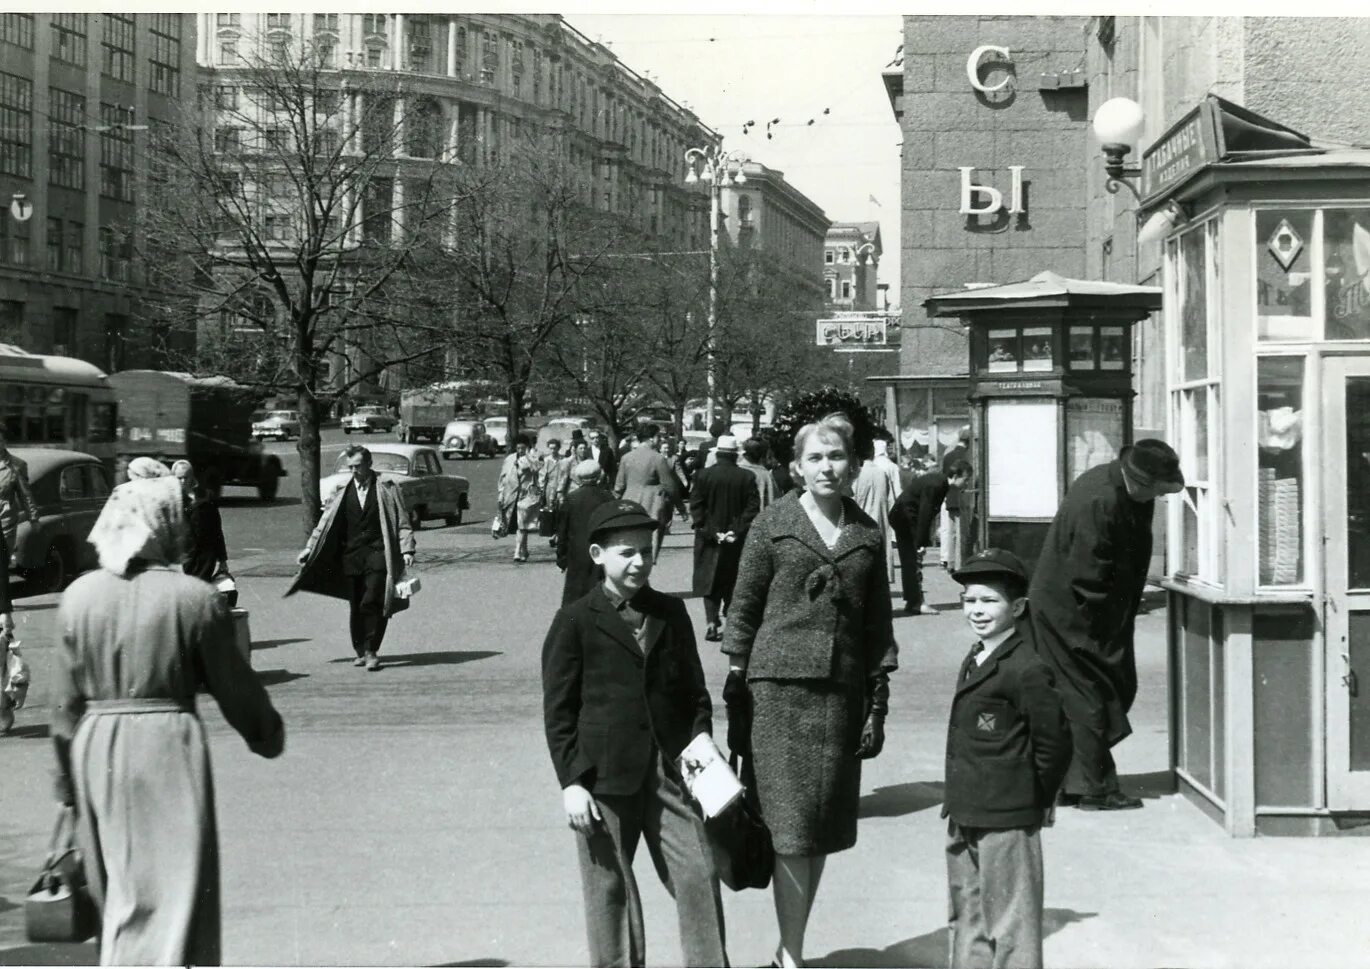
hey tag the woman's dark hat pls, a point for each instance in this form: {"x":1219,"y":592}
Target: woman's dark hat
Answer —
{"x":614,"y":516}
{"x":992,"y":561}
{"x":1150,"y":462}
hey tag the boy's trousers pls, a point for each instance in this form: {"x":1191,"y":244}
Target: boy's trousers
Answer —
{"x":995,"y":882}
{"x":660,"y":814}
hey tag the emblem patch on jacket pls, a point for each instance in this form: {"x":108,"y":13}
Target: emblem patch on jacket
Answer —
{"x":986,"y":722}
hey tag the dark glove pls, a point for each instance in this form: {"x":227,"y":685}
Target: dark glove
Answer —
{"x":737,"y":699}
{"x":872,"y":737}
{"x":877,"y":706}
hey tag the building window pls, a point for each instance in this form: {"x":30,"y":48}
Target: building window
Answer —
{"x":11,"y":323}
{"x":74,"y":252}
{"x":537,"y":76}
{"x":228,"y":52}
{"x":229,"y":20}
{"x":461,"y":52}
{"x":489,"y":57}
{"x":227,"y":139}
{"x":277,"y":139}
{"x":846,"y":289}
{"x":17,"y":29}
{"x":69,"y":37}
{"x":744,"y":209}
{"x":420,"y":46}
{"x":64,"y":331}
{"x":114,"y":255}
{"x":374,"y":23}
{"x":326,"y":23}
{"x":67,"y":139}
{"x":325,"y":38}
{"x":423,"y":129}
{"x":226,"y":97}
{"x":832,"y":287}
{"x":54,"y":244}
{"x":16,"y":126}
{"x":116,"y":340}
{"x":14,"y":242}
{"x":828,"y":256}
{"x":278,"y":21}
{"x":373,"y":57}
{"x":274,"y":227}
{"x":116,"y":152}
{"x":166,"y":54}
{"x":118,"y":46}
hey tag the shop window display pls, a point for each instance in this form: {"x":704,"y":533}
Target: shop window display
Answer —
{"x":1279,"y":430}
{"x":1003,"y":351}
{"x":1037,"y":348}
{"x":1284,"y":272}
{"x":1112,"y":348}
{"x":1082,"y":348}
{"x":1346,"y":242}
{"x":1094,"y":433}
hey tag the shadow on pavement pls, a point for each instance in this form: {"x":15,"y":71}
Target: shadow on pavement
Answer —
{"x":930,"y":950}
{"x":277,"y":677}
{"x":273,"y":643}
{"x":1156,"y":784}
{"x":445,"y":658}
{"x":898,"y":800}
{"x":30,"y":731}
{"x":474,"y":962}
{"x":52,"y":954}
{"x":246,"y":501}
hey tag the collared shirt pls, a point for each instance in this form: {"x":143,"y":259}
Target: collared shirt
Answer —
{"x":362,"y":490}
{"x":635,"y":619}
{"x":986,"y":647}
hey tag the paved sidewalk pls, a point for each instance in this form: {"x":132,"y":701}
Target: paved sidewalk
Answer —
{"x":414,"y":819}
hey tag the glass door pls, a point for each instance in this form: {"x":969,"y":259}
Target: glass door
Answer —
{"x":1347,"y":547}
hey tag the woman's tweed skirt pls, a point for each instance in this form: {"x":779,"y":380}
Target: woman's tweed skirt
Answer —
{"x":808,"y":778}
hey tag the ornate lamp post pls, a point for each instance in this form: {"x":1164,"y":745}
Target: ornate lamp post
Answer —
{"x":719,"y":169}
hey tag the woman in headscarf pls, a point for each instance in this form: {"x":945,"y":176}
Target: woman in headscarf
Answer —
{"x":139,"y":638}
{"x":143,"y":468}
{"x":520,"y":494}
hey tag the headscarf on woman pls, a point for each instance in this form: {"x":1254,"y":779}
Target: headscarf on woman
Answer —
{"x":143,"y":521}
{"x":143,"y":468}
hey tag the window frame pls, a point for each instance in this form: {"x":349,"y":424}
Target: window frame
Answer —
{"x":116,"y":152}
{"x":70,"y":38}
{"x":119,"y":46}
{"x":164,"y":61}
{"x":17,"y":29}
{"x":16,"y":125}
{"x":66,"y":139}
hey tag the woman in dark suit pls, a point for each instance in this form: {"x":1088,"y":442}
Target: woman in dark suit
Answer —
{"x":811,"y":644}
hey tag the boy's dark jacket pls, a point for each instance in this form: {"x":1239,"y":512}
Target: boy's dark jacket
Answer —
{"x":605,"y":702}
{"x":1008,"y":742}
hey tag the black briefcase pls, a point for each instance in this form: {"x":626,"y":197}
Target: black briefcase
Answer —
{"x":547,"y":523}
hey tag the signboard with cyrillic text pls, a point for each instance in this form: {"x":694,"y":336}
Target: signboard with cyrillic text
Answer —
{"x":1189,"y":145}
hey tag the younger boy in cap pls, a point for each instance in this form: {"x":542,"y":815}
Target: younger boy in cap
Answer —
{"x":623,"y":695}
{"x":1008,"y":747}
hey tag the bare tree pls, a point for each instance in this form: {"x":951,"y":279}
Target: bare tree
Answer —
{"x":300,"y":223}
{"x":528,"y":259}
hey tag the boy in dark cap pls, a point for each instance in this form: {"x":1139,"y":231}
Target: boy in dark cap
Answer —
{"x":623,"y":695}
{"x":1008,"y":746}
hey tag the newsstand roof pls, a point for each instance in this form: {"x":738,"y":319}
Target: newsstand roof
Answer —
{"x":1046,"y":289}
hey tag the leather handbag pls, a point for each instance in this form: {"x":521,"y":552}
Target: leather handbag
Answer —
{"x":744,"y":854}
{"x":547,"y":522}
{"x":59,"y":907}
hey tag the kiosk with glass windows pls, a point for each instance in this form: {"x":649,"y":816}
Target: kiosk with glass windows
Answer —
{"x":1050,"y":391}
{"x":1267,"y":314}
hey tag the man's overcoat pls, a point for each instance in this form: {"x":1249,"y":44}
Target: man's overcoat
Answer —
{"x":1085,"y":592}
{"x":723,"y":498}
{"x":323,"y":572}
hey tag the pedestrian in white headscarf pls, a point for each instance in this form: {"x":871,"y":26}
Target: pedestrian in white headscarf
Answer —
{"x":139,"y":639}
{"x":140,"y":468}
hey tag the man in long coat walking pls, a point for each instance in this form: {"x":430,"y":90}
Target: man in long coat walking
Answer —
{"x":573,"y":531}
{"x":1083,"y":604}
{"x":723,"y":502}
{"x":876,"y":488}
{"x":646,"y":477}
{"x":358,"y":551}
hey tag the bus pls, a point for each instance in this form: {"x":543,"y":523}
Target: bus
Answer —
{"x":56,"y":402}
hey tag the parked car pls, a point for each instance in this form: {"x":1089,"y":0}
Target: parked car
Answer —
{"x":426,"y":491}
{"x":369,"y":419}
{"x":498,"y":429}
{"x":280,"y":425}
{"x":466,"y":437}
{"x":561,"y":428}
{"x":70,"y":488}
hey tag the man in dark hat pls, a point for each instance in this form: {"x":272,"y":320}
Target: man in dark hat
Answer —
{"x":723,"y":502}
{"x":1084,"y":597}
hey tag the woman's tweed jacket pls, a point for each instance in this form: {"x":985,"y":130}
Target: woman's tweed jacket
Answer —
{"x":802,"y":611}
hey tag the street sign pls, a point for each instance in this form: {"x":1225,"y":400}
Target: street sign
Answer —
{"x":852,"y":331}
{"x":21,"y":208}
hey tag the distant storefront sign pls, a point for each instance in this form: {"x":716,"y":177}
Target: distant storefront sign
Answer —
{"x":1188,"y":145}
{"x":853,"y":331}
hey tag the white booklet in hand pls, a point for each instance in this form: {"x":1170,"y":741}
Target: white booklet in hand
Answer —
{"x":708,"y":778}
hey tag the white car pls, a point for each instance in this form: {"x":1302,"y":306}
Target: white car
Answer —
{"x":498,"y":429}
{"x":426,"y":491}
{"x":280,"y":425}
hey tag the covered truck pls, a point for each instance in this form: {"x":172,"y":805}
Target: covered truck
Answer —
{"x":424,"y":412}
{"x":206,"y":420}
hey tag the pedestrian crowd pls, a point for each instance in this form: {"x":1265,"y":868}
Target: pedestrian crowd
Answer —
{"x":795,"y":567}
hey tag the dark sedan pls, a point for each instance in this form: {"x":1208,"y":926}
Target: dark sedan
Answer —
{"x":70,"y":488}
